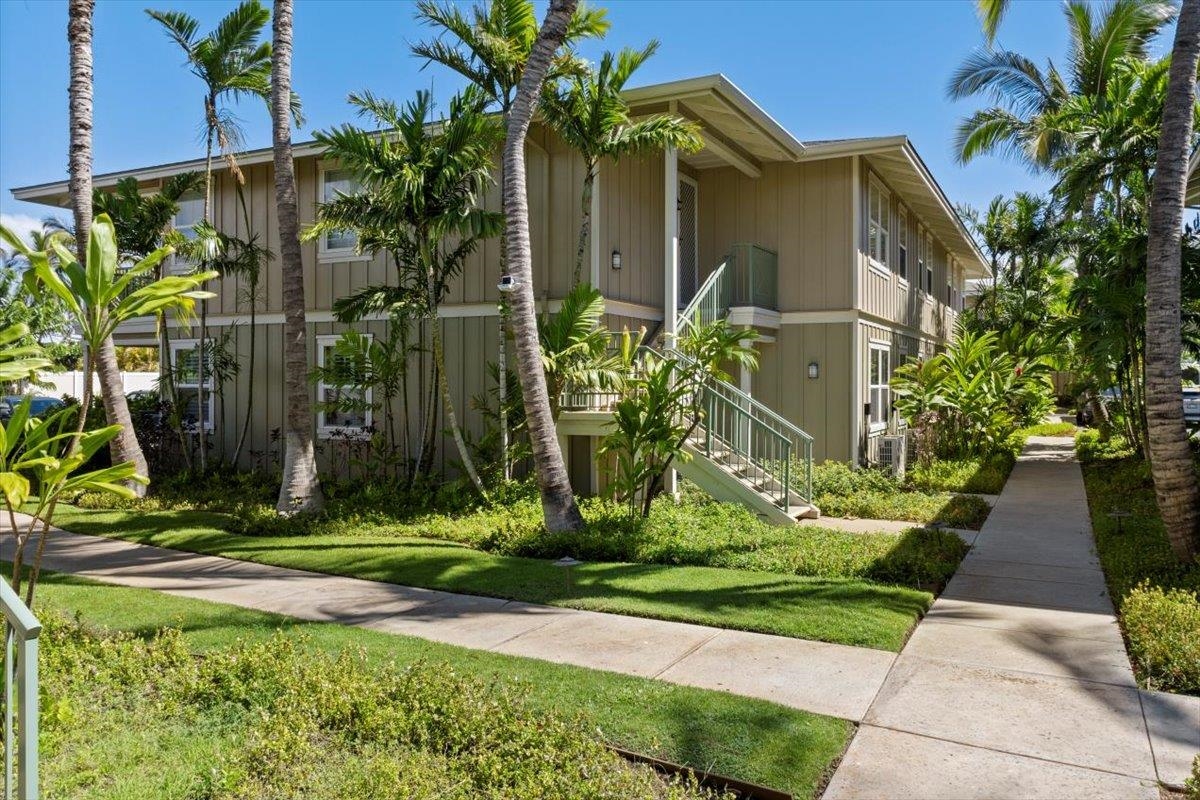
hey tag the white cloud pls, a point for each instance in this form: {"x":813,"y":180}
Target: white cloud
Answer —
{"x":21,"y":224}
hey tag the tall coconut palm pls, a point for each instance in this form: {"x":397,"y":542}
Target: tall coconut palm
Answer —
{"x":421,"y":189}
{"x":490,"y":50}
{"x":124,"y":446}
{"x":233,"y":64}
{"x":591,"y":115}
{"x":300,"y":491}
{"x":558,"y":501}
{"x":1022,"y":122}
{"x":1170,"y":456}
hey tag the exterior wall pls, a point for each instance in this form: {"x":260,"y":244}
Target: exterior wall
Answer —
{"x":470,"y":342}
{"x":887,"y":296}
{"x":631,"y":222}
{"x":801,"y":211}
{"x":820,"y":406}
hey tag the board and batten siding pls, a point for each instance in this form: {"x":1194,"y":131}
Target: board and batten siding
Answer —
{"x":800,"y":211}
{"x":883,"y":293}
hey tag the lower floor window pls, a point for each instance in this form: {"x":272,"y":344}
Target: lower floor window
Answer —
{"x":191,"y":396}
{"x":878,"y":378}
{"x":343,"y":398}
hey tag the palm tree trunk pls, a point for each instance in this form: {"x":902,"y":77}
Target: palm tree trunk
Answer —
{"x":201,"y":365}
{"x":124,"y":446}
{"x":300,"y":491}
{"x":1170,"y":457}
{"x":79,"y":34}
{"x":237,"y":451}
{"x":558,"y":501}
{"x":585,"y":222}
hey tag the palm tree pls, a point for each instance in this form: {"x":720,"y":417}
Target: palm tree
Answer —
{"x":1023,"y":122}
{"x":232,"y":64}
{"x":591,"y":116}
{"x":1170,"y":456}
{"x":575,"y":347}
{"x":124,"y":446}
{"x":300,"y":490}
{"x":421,"y":186}
{"x":490,"y":50}
{"x":558,"y":501}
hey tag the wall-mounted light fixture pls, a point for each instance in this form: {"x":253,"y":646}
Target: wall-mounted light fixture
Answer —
{"x":616,"y":259}
{"x":814,"y":370}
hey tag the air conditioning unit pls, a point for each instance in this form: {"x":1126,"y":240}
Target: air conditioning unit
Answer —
{"x":893,"y":454}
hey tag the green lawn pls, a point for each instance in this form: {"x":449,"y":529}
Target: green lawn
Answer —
{"x":845,"y":610}
{"x":147,"y":754}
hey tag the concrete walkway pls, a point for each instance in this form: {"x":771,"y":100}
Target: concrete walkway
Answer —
{"x":1017,"y":684}
{"x":831,"y":679}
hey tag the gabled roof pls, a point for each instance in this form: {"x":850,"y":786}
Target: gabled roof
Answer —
{"x":737,"y":133}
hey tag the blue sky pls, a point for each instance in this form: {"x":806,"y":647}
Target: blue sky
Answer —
{"x":824,"y":70}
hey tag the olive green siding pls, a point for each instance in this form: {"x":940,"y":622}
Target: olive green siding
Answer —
{"x":801,"y":211}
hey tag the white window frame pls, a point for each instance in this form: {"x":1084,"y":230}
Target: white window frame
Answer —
{"x":327,"y":431}
{"x":325,"y":253}
{"x":884,"y":409}
{"x":176,"y":264}
{"x":930,"y":271}
{"x":179,"y":345}
{"x":881,"y":239}
{"x":902,"y":261}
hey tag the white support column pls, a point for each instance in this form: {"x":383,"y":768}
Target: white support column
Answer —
{"x":595,"y":239}
{"x":670,"y":266}
{"x":856,"y":334}
{"x":670,"y":243}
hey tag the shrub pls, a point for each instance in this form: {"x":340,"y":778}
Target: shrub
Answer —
{"x":841,"y":490}
{"x":982,"y":475}
{"x":276,"y":719}
{"x":1050,"y":429}
{"x":1163,"y":628}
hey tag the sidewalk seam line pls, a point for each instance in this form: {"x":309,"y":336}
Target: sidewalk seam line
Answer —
{"x":687,"y":653}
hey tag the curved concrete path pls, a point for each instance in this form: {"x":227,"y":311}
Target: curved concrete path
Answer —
{"x":1017,"y":684}
{"x":830,"y":679}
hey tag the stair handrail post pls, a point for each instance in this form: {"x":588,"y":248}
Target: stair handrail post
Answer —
{"x":21,"y":629}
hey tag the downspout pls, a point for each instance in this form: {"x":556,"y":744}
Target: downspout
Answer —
{"x":856,"y":395}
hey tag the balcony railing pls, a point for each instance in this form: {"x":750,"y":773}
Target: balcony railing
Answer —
{"x":21,"y":631}
{"x":754,"y":276}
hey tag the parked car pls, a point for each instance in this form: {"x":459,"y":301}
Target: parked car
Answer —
{"x":39,"y":405}
{"x":1191,"y":404}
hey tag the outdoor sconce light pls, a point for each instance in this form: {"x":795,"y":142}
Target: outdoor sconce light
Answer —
{"x":616,"y":259}
{"x":814,"y":370}
{"x":507,"y":284}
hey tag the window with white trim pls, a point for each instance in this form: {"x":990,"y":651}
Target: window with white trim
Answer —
{"x":191,"y":211}
{"x":348,"y":386}
{"x":185,"y":371}
{"x":333,"y":182}
{"x":877,"y":226}
{"x":880,"y":374}
{"x":902,"y":241}
{"x":929,"y":256}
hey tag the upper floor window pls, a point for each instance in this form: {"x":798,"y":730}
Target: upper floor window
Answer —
{"x":922,"y":256}
{"x":191,"y":211}
{"x":929,"y":256}
{"x":902,"y":240}
{"x":877,"y":228}
{"x":335,"y":182}
{"x":343,"y":399}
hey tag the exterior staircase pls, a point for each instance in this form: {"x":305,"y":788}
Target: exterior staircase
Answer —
{"x":741,"y":451}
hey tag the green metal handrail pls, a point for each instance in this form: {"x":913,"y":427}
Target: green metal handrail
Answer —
{"x":21,"y":630}
{"x":710,"y":303}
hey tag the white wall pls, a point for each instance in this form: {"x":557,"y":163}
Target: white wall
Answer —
{"x":60,"y":383}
